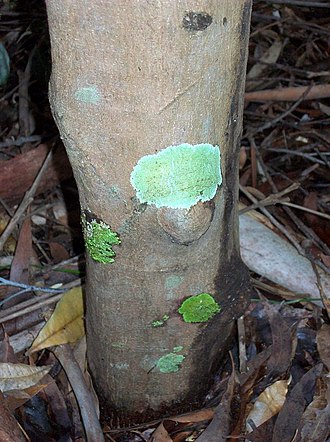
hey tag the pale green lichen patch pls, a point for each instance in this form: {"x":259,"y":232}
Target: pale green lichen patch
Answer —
{"x":178,"y":176}
{"x":199,"y":308}
{"x":88,"y":94}
{"x":160,"y":322}
{"x":99,"y":240}
{"x":170,"y":363}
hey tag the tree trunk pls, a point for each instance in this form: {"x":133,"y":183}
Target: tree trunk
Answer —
{"x":148,"y":98}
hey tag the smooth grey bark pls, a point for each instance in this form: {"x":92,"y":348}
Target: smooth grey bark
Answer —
{"x":130,"y":79}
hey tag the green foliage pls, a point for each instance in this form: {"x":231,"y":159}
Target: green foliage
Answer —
{"x":199,"y":308}
{"x":99,"y":239}
{"x":170,"y":363}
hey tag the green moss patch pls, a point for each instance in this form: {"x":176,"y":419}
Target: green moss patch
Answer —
{"x":199,"y":308}
{"x":99,"y":239}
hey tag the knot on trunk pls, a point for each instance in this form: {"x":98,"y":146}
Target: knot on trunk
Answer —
{"x":185,"y":226}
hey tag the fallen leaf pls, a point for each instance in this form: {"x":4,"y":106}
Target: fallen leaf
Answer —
{"x":66,"y":323}
{"x":268,"y":404}
{"x":58,"y":252}
{"x":10,"y":245}
{"x":7,"y":353}
{"x":322,"y":340}
{"x":219,"y":428}
{"x":24,"y":168}
{"x":60,"y":211}
{"x":269,"y":255}
{"x":20,"y":376}
{"x":284,"y":342}
{"x":311,"y":202}
{"x":17,"y":398}
{"x":315,"y":422}
{"x":9,"y":428}
{"x":19,"y":270}
{"x":270,"y":56}
{"x":290,"y":415}
{"x":161,"y":434}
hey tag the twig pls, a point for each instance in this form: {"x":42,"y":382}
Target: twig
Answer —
{"x":241,"y":344}
{"x":20,"y":141}
{"x":277,"y":224}
{"x":87,"y":408}
{"x":304,"y":229}
{"x":308,"y":156}
{"x":284,"y":114}
{"x":26,"y":201}
{"x":306,"y":4}
{"x":290,"y":93}
{"x":25,"y":288}
{"x":271,"y":199}
{"x":23,"y":311}
{"x":30,"y":288}
{"x":24,"y":115}
{"x":305,"y":209}
{"x":325,"y":300}
{"x":35,"y":303}
{"x":281,"y":292}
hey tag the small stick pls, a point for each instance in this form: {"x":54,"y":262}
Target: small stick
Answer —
{"x":284,"y":114}
{"x":306,"y":230}
{"x":277,"y":224}
{"x":241,"y":344}
{"x":303,"y":3}
{"x":305,"y":209}
{"x":26,"y":201}
{"x":20,"y":141}
{"x":86,"y":405}
{"x":290,"y":93}
{"x":35,"y":303}
{"x":271,"y":199}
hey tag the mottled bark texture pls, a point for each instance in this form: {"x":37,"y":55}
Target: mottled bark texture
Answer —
{"x":130,"y":79}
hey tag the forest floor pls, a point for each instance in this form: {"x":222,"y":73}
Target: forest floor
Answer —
{"x":275,"y":384}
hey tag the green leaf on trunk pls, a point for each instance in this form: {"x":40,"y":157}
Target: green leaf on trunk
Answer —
{"x":199,"y":308}
{"x":178,"y":176}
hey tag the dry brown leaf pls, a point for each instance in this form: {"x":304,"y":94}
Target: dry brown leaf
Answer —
{"x":10,"y":430}
{"x":270,"y":56}
{"x":20,"y":376}
{"x":59,"y":253}
{"x":161,"y":434}
{"x":268,"y":403}
{"x":66,"y":323}
{"x":7,"y":353}
{"x":322,"y":340}
{"x":290,"y":415}
{"x":17,"y":398}
{"x":315,"y":422}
